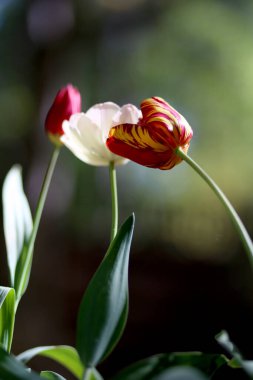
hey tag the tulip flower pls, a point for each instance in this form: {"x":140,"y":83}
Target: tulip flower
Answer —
{"x":152,"y":141}
{"x":160,"y":139}
{"x":85,"y":134}
{"x":66,"y":103}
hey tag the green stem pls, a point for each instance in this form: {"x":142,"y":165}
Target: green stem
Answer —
{"x":84,"y":374}
{"x":113,"y":182}
{"x":36,"y":222}
{"x":88,"y":374}
{"x":243,"y":233}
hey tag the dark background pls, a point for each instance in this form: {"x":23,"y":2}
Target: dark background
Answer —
{"x":189,"y":276}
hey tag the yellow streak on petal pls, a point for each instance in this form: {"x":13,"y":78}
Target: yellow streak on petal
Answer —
{"x":162,"y":111}
{"x":138,"y":137}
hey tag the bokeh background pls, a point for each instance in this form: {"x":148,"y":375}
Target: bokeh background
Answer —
{"x":189,"y":276}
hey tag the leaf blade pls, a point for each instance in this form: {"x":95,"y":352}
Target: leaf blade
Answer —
{"x":107,"y":292}
{"x":7,"y":316}
{"x":67,"y":356}
{"x":12,"y":369}
{"x":17,"y":218}
{"x":179,"y":373}
{"x":157,"y":365}
{"x":50,"y":375}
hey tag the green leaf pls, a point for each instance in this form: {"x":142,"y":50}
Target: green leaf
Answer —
{"x":67,"y":356}
{"x":104,"y":307}
{"x":178,"y":373}
{"x":7,"y":316}
{"x":12,"y":369}
{"x":17,"y":221}
{"x":156,"y":365}
{"x":92,"y":374}
{"x":50,"y":375}
{"x":237,"y":362}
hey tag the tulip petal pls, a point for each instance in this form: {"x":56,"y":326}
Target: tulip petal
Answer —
{"x":66,"y":103}
{"x":157,"y":111}
{"x":102,"y":115}
{"x":143,"y":145}
{"x":72,"y":138}
{"x":156,"y":106}
{"x":83,"y":138}
{"x":128,"y":114}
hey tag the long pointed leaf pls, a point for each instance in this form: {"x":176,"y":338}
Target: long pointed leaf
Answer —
{"x":67,"y":356}
{"x":17,"y":219}
{"x":12,"y":369}
{"x":103,"y":309}
{"x":7,"y":316}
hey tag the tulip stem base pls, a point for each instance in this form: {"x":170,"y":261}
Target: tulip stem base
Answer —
{"x":243,"y":233}
{"x":113,"y":182}
{"x":36,"y":220}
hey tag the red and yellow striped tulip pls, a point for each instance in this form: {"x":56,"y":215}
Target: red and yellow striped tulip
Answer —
{"x":153,"y":141}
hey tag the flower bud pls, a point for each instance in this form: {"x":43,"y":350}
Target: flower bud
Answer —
{"x":66,"y":103}
{"x":154,"y":140}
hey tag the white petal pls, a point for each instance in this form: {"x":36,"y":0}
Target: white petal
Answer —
{"x":128,"y":114}
{"x":85,"y":140}
{"x":75,"y":117}
{"x":82,"y":137}
{"x":102,"y":115}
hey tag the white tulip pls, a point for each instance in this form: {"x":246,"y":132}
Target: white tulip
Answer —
{"x":85,"y":134}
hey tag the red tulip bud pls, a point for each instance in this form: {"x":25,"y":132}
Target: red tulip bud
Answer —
{"x":66,"y":103}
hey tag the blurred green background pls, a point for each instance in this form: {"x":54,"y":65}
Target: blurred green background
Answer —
{"x":189,"y":277}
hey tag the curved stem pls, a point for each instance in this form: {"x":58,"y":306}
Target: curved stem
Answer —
{"x":113,"y":182}
{"x":243,"y":233}
{"x":85,"y":373}
{"x":36,"y":222}
{"x":91,"y":374}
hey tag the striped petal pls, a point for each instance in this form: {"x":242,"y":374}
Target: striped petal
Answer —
{"x":142,"y":145}
{"x":157,"y":111}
